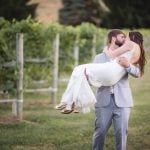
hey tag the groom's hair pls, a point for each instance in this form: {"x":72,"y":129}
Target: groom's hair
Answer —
{"x":113,"y":33}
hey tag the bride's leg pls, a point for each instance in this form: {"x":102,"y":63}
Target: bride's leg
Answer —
{"x":71,"y":94}
{"x":67,"y":97}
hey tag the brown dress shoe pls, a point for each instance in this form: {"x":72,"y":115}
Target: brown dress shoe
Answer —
{"x":68,"y":110}
{"x":76,"y":111}
{"x":60,"y":106}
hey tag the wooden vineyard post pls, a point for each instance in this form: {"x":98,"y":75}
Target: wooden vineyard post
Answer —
{"x":76,"y":51}
{"x":93,"y":47}
{"x":19,"y":55}
{"x":55,"y":69}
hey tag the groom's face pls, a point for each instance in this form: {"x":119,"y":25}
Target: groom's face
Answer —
{"x":120,"y":39}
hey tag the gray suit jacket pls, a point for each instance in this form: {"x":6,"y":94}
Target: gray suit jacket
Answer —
{"x":122,"y":91}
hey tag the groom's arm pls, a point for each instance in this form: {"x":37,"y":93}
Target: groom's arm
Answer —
{"x":130,"y":68}
{"x":133,"y":70}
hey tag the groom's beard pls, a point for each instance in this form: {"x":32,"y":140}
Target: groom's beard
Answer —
{"x":118,"y":43}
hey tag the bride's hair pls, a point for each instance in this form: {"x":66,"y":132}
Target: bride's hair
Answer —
{"x":137,"y":37}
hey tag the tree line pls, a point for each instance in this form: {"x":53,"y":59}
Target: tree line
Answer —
{"x":106,"y":13}
{"x":103,"y":13}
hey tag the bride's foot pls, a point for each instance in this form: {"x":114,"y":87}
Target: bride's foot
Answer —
{"x":68,"y":109}
{"x":60,"y":106}
{"x":76,"y":111}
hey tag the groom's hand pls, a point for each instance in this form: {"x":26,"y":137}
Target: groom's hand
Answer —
{"x":123,"y":62}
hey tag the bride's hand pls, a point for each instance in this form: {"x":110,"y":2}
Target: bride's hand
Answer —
{"x":123,"y":62}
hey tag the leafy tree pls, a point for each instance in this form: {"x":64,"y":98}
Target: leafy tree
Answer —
{"x":106,"y":13}
{"x":18,"y":9}
{"x":75,"y":12}
{"x":127,"y":13}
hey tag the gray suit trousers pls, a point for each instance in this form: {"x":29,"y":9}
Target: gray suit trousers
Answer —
{"x":104,"y":118}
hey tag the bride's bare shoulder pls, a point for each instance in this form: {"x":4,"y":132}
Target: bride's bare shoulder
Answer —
{"x":130,"y":45}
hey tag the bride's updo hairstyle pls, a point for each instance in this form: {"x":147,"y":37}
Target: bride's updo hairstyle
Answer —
{"x":137,"y":37}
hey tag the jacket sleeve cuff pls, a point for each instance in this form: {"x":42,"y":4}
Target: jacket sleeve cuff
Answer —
{"x":128,"y":68}
{"x":133,"y":70}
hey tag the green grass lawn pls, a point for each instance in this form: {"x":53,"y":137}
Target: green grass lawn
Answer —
{"x":44,"y":128}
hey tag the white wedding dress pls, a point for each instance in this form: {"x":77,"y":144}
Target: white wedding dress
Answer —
{"x":79,"y":91}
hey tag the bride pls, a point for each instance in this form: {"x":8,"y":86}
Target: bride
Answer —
{"x":79,"y":94}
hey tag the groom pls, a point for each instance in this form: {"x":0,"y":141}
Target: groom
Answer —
{"x":114,"y":103}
